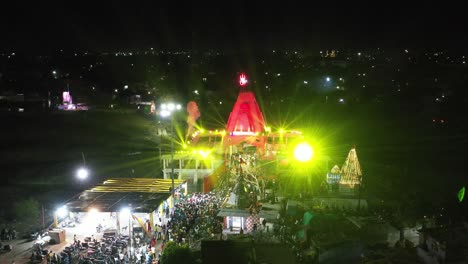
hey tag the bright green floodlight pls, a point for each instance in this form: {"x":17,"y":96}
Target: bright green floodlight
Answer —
{"x":303,"y":152}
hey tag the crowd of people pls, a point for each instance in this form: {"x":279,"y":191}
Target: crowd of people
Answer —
{"x":195,"y":217}
{"x":8,"y":234}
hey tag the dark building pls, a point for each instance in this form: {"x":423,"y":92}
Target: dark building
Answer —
{"x":245,"y":251}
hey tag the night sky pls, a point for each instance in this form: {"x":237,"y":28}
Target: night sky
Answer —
{"x":409,"y":145}
{"x":233,"y":26}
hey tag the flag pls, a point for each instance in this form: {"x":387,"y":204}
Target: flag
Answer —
{"x":142,"y":224}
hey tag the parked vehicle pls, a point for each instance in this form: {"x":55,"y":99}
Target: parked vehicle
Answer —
{"x":33,"y":235}
{"x":68,"y":223}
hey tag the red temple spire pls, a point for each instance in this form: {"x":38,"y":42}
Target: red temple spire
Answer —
{"x":246,"y":117}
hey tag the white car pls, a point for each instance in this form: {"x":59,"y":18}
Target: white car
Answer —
{"x":43,"y":240}
{"x":68,"y":224}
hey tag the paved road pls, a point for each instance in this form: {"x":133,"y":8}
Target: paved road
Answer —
{"x":22,"y":248}
{"x":20,"y":254}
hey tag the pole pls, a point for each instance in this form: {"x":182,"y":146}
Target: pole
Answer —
{"x":172,"y":160}
{"x":55,"y":220}
{"x":160,"y":143}
{"x":84,"y":161}
{"x":43,"y":220}
{"x":130,"y":234}
{"x":359,"y":195}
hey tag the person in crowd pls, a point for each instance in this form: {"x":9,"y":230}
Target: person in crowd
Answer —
{"x":153,"y":242}
{"x":159,"y":232}
{"x":125,"y":258}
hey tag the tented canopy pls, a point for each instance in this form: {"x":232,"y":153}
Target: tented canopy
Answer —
{"x":140,"y":194}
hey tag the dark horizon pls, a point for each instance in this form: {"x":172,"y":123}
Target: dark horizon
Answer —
{"x":238,"y":26}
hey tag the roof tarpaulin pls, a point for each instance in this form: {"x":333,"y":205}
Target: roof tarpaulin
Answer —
{"x":141,"y":194}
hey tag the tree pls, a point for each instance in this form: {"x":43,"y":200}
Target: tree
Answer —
{"x":175,"y":254}
{"x":27,"y":210}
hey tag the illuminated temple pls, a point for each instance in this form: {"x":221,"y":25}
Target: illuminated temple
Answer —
{"x":209,"y":151}
{"x":208,"y":154}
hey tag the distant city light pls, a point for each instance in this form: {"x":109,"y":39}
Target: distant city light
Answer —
{"x":196,"y":91}
{"x":125,"y":86}
{"x":341,"y":100}
{"x":328,"y":79}
{"x":305,"y":82}
{"x":167,"y":109}
{"x":359,"y":54}
{"x":54,"y":72}
{"x":116,"y":90}
{"x":243,"y":79}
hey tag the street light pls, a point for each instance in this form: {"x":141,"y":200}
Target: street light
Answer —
{"x":61,"y":212}
{"x":82,"y":173}
{"x":167,"y":110}
{"x":303,"y":153}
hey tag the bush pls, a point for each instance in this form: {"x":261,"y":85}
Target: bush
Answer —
{"x":175,"y":254}
{"x":27,"y":210}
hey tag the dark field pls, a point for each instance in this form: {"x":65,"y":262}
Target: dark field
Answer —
{"x":402,"y":152}
{"x":41,"y":153}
